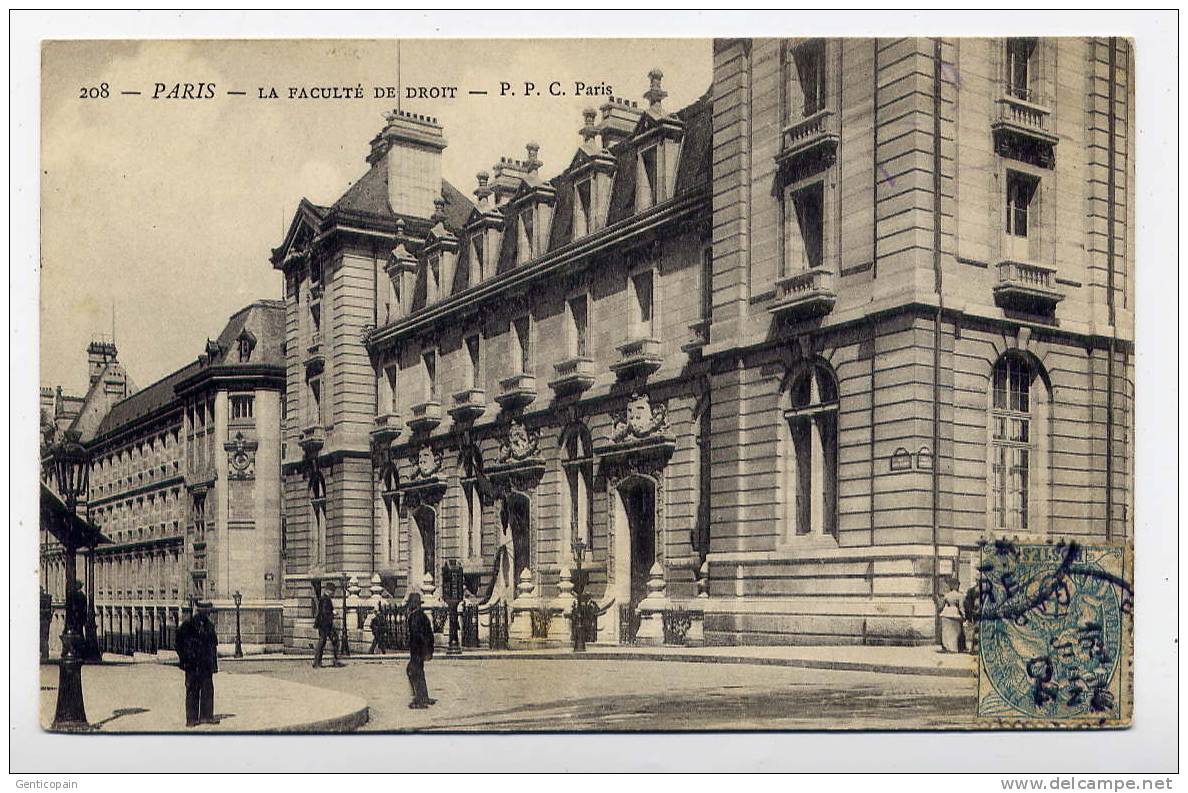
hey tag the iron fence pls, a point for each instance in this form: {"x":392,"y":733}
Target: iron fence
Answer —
{"x":497,"y":637}
{"x":676,"y":624}
{"x":470,"y":625}
{"x":629,"y":621}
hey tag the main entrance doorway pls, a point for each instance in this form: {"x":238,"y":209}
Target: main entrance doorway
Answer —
{"x":424,"y":545}
{"x":637,"y":504}
{"x":519,"y":523}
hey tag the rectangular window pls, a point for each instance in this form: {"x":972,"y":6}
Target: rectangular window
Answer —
{"x":242,"y":408}
{"x":1018,"y":66}
{"x":707,"y":282}
{"x":522,"y":330}
{"x":315,"y":394}
{"x":390,"y":376}
{"x":473,"y":352}
{"x":1021,"y":192}
{"x":643,"y":314}
{"x":578,"y":321}
{"x":649,"y":185}
{"x":810,"y":70}
{"x":582,"y":205}
{"x":805,"y":243}
{"x":430,"y":362}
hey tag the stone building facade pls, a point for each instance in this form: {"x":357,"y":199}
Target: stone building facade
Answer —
{"x":779,"y":358}
{"x":185,"y":482}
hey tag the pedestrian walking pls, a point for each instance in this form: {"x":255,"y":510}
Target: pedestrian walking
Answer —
{"x":420,"y":650}
{"x":198,"y":656}
{"x":324,"y":622}
{"x":379,"y":631}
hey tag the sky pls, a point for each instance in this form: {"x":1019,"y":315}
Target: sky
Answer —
{"x":164,"y":211}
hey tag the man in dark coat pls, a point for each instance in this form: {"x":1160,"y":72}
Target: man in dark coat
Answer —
{"x":324,"y":622}
{"x":47,"y":617}
{"x":198,"y":656}
{"x":420,"y":650}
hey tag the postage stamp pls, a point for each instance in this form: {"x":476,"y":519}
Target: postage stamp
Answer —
{"x":1054,"y":632}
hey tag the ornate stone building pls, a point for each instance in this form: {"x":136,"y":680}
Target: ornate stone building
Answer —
{"x":779,"y":358}
{"x":184,"y":481}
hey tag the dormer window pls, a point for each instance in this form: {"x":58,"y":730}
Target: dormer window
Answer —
{"x":1019,"y":52}
{"x":477,"y":268}
{"x":433,"y":277}
{"x":810,"y":71}
{"x":245,"y":350}
{"x":583,"y":220}
{"x":524,"y":241}
{"x":648,"y":192}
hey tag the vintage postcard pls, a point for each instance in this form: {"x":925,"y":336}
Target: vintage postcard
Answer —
{"x":603,"y":385}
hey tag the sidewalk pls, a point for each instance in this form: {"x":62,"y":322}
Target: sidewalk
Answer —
{"x":927,"y":660}
{"x":148,"y":697}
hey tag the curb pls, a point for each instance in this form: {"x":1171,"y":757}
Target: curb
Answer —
{"x":694,"y":658}
{"x":346,"y":723}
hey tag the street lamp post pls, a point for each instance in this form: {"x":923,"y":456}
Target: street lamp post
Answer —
{"x":579,"y":601}
{"x":71,"y":474}
{"x":346,"y":647}
{"x":238,"y":598}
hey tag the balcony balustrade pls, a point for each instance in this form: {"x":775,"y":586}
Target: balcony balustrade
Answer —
{"x":1027,"y":286}
{"x":425,"y":416}
{"x":573,"y":375}
{"x":313,"y":438}
{"x":516,"y":391}
{"x":468,"y":404}
{"x":803,"y":295}
{"x":387,"y":428}
{"x":638,"y":357}
{"x":699,"y":335}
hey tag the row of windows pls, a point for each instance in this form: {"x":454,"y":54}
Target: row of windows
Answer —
{"x":642,"y":322}
{"x":149,"y":457}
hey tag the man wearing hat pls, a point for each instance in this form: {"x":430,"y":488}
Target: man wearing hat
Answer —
{"x":420,"y":649}
{"x":198,"y":656}
{"x":324,"y":622}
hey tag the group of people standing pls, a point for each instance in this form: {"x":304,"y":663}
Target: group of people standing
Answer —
{"x":420,"y":642}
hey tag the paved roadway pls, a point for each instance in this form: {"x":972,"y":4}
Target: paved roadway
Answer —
{"x":558,"y":695}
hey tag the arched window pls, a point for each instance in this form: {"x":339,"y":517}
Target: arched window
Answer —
{"x":809,"y":452}
{"x":471,"y":507}
{"x":390,"y":539}
{"x":317,"y":501}
{"x":578,"y":464}
{"x":1018,"y":444}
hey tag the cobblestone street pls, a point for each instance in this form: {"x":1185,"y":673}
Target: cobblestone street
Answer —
{"x":559,"y":695}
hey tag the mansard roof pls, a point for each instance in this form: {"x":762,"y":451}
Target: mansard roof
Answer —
{"x":265,"y":319}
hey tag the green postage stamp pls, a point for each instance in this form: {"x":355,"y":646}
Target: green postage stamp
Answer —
{"x":1054,"y":633}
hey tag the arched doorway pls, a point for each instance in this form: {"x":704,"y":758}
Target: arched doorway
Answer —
{"x":423,"y":544}
{"x":636,"y":528}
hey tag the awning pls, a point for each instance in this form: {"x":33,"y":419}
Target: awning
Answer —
{"x":66,"y":527}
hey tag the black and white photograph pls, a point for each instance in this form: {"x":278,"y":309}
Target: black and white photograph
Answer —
{"x":781,"y":381}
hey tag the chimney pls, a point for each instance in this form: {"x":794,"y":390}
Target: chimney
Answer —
{"x":412,"y":144}
{"x":482,"y":192}
{"x":655,"y":94}
{"x":619,"y":117}
{"x":509,"y":173}
{"x":99,"y":354}
{"x":589,"y":130}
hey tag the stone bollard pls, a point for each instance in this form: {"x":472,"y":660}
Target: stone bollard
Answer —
{"x":652,"y":607}
{"x":560,"y":624}
{"x":522,"y":607}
